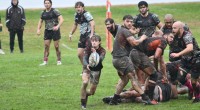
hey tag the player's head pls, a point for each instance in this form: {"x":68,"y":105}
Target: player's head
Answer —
{"x":79,"y":6}
{"x":110,"y":23}
{"x":47,"y":4}
{"x":178,"y":28}
{"x":95,"y":41}
{"x":141,"y":3}
{"x":128,"y":21}
{"x":169,"y":38}
{"x":48,"y":0}
{"x":157,"y":33}
{"x":143,"y":7}
{"x":169,"y":20}
{"x":14,"y":2}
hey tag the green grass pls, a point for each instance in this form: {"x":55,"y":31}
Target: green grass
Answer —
{"x":26,"y":86}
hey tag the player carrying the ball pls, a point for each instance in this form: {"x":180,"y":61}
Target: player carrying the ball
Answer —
{"x":91,"y":72}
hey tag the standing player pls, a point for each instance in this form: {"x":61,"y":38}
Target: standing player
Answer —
{"x":145,"y":20}
{"x":53,"y":20}
{"x":189,"y":47}
{"x":111,"y":26}
{"x":123,"y":43}
{"x":87,"y":24}
{"x":91,"y":74}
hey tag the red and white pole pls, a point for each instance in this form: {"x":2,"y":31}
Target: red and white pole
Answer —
{"x":108,"y":34}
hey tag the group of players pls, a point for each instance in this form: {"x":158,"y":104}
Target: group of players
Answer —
{"x":138,"y":57}
{"x":137,"y":54}
{"x":131,"y":58}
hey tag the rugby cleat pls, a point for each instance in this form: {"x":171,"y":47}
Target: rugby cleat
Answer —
{"x":43,"y":64}
{"x":2,"y":52}
{"x":196,"y":100}
{"x":59,"y":63}
{"x":107,"y":99}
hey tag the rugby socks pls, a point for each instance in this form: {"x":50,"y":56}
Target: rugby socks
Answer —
{"x":189,"y":85}
{"x":196,"y":90}
{"x":83,"y":102}
{"x":45,"y":59}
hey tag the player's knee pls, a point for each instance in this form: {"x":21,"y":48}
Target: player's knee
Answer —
{"x":79,"y":55}
{"x":85,"y":83}
{"x":57,"y":47}
{"x":92,"y":92}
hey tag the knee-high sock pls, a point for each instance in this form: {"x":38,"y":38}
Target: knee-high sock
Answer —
{"x":189,"y":85}
{"x":196,"y":90}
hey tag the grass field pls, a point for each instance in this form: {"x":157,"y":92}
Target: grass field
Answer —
{"x":24,"y":85}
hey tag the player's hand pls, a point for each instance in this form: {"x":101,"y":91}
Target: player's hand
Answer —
{"x":143,"y":37}
{"x":55,"y":28}
{"x":174,"y":55}
{"x":70,"y":36}
{"x":88,"y":67}
{"x":93,"y":49}
{"x":38,"y":32}
{"x":91,"y":36}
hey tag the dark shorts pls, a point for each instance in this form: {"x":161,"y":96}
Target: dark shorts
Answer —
{"x":140,"y":60}
{"x":50,"y":34}
{"x":83,"y":41}
{"x":123,"y":65}
{"x":195,"y":71}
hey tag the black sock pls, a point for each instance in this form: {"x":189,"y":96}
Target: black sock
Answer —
{"x":83,"y":102}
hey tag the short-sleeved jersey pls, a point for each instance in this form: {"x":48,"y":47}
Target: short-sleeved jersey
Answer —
{"x":121,"y":46}
{"x":173,"y":49}
{"x":150,"y":45}
{"x":181,"y":43}
{"x":50,"y":18}
{"x":115,"y":31}
{"x":101,"y":51}
{"x":144,"y":23}
{"x":83,"y":19}
{"x":166,"y":30}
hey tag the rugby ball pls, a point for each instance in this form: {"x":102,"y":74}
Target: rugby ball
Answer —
{"x":94,"y":59}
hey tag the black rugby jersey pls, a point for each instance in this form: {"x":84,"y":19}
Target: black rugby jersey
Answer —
{"x":50,"y":18}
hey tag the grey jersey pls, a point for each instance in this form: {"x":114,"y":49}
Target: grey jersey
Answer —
{"x":121,"y":46}
{"x":83,"y":20}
